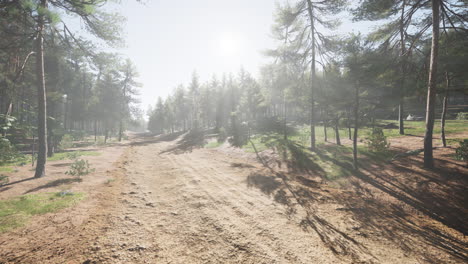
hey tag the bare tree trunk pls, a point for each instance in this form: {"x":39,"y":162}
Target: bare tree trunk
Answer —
{"x":324,"y":126}
{"x":120,"y":130}
{"x":95,"y":130}
{"x":431,"y":90}
{"x":348,"y":122}
{"x":444,"y":109}
{"x":41,"y":96}
{"x":403,"y":71}
{"x":285,"y":126}
{"x":312,"y":77}
{"x":356,"y":124}
{"x":337,"y":132}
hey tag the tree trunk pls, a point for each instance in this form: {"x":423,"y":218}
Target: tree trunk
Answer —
{"x":324,"y":126}
{"x":95,"y":130}
{"x":403,"y":71}
{"x":348,"y":122}
{"x":120,"y":130}
{"x":431,"y":90}
{"x":41,"y":96}
{"x":356,"y":124}
{"x":337,"y":131}
{"x":444,"y":109}
{"x":285,"y":126}
{"x":312,"y":77}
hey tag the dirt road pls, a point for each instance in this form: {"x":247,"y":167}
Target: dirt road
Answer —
{"x":201,"y":206}
{"x":170,"y":202}
{"x":196,"y":207}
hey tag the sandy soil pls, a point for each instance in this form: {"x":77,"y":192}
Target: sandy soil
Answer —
{"x":173,"y":203}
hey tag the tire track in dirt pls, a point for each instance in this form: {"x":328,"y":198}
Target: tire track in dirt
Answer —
{"x":192,"y":208}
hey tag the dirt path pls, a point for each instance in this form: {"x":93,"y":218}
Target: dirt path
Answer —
{"x":202,"y":206}
{"x":172,"y":203}
{"x":197,"y":208}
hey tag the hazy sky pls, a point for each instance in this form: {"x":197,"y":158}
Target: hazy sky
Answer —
{"x":168,"y":40}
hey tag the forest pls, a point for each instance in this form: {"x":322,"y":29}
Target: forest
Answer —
{"x":355,"y":142}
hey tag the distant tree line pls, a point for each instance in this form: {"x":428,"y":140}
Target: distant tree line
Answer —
{"x":318,"y":78}
{"x":53,"y":81}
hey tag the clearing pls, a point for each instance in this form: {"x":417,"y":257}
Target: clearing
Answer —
{"x":164,"y":200}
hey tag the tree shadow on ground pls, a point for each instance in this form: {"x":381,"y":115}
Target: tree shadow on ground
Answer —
{"x":285,"y":190}
{"x":147,"y":139}
{"x":2,"y":187}
{"x":188,"y":142}
{"x":54,"y":183}
{"x":395,"y":217}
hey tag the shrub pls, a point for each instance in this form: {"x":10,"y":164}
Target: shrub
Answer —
{"x":222,"y":135}
{"x":462,"y":116}
{"x":79,"y":168}
{"x":66,"y":142}
{"x":461,"y":153}
{"x":377,"y":141}
{"x":8,"y":152}
{"x":78,"y":135}
{"x":4,"y":179}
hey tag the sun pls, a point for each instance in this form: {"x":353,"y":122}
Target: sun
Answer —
{"x":229,"y":45}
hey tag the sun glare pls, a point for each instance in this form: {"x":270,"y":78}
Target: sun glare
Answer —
{"x":229,"y":45}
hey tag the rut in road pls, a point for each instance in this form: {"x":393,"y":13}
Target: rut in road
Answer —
{"x":197,"y":207}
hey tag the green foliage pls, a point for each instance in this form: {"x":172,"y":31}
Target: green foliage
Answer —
{"x":79,"y":168}
{"x":8,"y":152}
{"x":461,"y":153}
{"x":72,"y":155}
{"x":17,"y":211}
{"x":377,"y":141}
{"x":462,"y":116}
{"x":66,"y":142}
{"x":222,"y":135}
{"x":4,"y":179}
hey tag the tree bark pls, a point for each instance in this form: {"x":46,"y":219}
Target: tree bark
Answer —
{"x":403,"y":71}
{"x":356,"y":124}
{"x":312,"y":77}
{"x":444,"y":109}
{"x":41,"y":96}
{"x":431,"y":90}
{"x":348,"y":122}
{"x":337,"y":131}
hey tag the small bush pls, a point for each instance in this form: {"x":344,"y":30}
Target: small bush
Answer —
{"x":73,"y":155}
{"x":377,"y":141}
{"x":78,"y":135}
{"x":79,"y":168}
{"x":222,"y":135}
{"x":462,"y":116}
{"x":461,"y":153}
{"x":66,"y":142}
{"x":8,"y":152}
{"x":4,"y":179}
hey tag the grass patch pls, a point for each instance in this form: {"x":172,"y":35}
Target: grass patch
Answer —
{"x":213,"y":144}
{"x":257,"y":141}
{"x":72,"y":155}
{"x":6,"y":169}
{"x":16,"y":212}
{"x":418,"y":127}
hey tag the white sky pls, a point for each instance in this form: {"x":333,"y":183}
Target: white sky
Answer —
{"x":167,"y":40}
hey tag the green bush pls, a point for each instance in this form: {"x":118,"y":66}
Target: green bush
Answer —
{"x":78,"y":135}
{"x":462,"y":116}
{"x":79,"y":168}
{"x":377,"y":141}
{"x":461,"y":153}
{"x":4,"y":179}
{"x":66,"y":142}
{"x":222,"y":135}
{"x":8,"y":152}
